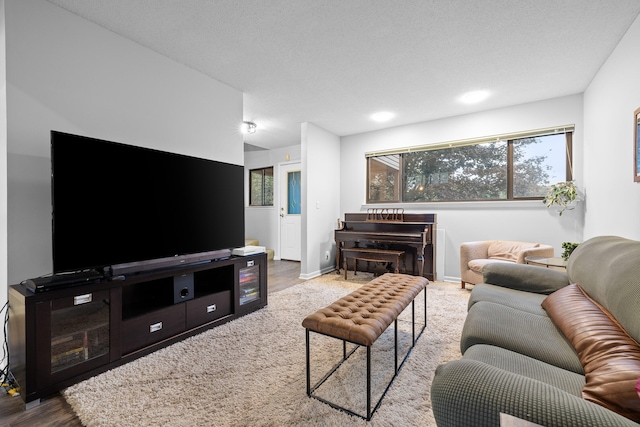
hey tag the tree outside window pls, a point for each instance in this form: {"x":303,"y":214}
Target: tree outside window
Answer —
{"x":472,"y":172}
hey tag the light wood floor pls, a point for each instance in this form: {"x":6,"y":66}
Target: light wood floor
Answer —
{"x":55,"y":411}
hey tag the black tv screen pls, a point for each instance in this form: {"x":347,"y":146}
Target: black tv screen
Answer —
{"x":115,"y":203}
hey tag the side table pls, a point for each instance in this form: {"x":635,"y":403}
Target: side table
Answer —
{"x":555,"y":262}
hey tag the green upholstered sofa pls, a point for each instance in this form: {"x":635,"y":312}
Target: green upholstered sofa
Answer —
{"x":549,"y":347}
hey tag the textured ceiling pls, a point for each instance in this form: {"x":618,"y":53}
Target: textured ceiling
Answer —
{"x":335,"y":62}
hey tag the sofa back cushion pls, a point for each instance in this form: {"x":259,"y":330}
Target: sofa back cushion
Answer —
{"x":609,"y":356}
{"x":508,"y":251}
{"x":608,"y":270}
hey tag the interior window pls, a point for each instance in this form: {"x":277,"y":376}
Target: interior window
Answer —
{"x":261,"y":187}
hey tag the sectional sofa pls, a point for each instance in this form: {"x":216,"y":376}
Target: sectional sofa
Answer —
{"x":549,"y":347}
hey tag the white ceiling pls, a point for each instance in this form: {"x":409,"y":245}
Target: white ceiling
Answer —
{"x":335,"y":62}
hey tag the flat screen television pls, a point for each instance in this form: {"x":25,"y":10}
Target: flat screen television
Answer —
{"x":115,"y":203}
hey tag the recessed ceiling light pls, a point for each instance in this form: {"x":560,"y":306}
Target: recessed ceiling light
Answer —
{"x":382,"y":116}
{"x":474,"y":97}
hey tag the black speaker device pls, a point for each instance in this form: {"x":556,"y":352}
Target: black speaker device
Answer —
{"x":182,"y":288}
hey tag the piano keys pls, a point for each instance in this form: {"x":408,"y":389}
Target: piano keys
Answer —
{"x":391,"y":229}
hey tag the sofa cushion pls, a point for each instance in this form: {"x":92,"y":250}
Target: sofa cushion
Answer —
{"x":508,"y":251}
{"x":478,"y":264}
{"x":527,"y":366}
{"x":468,"y":392}
{"x":610,"y":357}
{"x":516,"y":330}
{"x":525,"y":301}
{"x":525,"y":277}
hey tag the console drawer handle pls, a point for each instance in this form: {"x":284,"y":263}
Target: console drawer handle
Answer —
{"x":155,"y":327}
{"x":81,"y":299}
{"x":211,"y":308}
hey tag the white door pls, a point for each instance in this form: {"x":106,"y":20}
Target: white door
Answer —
{"x":290,"y":211}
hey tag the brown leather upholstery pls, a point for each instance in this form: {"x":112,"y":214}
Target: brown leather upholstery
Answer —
{"x":363,"y":315}
{"x":609,"y":355}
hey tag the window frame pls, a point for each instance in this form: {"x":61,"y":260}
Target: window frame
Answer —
{"x":399,"y":183}
{"x":262,"y":171}
{"x":508,"y":138}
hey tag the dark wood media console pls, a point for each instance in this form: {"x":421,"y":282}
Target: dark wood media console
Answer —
{"x":62,"y":336}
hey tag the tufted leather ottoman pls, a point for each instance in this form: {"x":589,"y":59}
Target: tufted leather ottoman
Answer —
{"x":361,"y":317}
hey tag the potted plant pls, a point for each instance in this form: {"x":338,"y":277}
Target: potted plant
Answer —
{"x":563,"y":194}
{"x":568,"y":248}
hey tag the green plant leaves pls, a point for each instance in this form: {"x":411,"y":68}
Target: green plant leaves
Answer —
{"x":562,"y":194}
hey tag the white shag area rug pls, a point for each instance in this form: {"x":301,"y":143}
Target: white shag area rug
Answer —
{"x":251,"y":371}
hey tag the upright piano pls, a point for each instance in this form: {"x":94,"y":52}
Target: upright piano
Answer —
{"x":391,"y":229}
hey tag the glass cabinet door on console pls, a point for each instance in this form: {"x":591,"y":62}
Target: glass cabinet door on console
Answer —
{"x":252,"y":284}
{"x":249,"y":283}
{"x":58,"y":335}
{"x":79,"y":332}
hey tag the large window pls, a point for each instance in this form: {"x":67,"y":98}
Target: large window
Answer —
{"x":509,"y":167}
{"x":261,"y":187}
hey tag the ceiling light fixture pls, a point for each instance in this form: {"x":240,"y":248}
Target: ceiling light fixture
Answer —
{"x":474,"y":97}
{"x":382,"y":116}
{"x":249,"y":127}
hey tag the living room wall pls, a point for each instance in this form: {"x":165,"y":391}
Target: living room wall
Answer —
{"x":469,"y":221}
{"x":321,"y":181}
{"x":613,"y":198}
{"x":68,"y":74}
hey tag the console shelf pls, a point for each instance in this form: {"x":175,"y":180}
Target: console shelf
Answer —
{"x":62,"y":336}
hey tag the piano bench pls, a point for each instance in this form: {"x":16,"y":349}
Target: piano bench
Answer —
{"x":360,"y":318}
{"x":373,"y":255}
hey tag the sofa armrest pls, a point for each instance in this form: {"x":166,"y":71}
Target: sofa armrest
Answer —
{"x":524,"y":277}
{"x":472,"y":393}
{"x":473,"y":250}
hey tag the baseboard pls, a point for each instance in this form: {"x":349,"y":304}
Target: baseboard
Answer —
{"x":317,"y":273}
{"x":328,"y":269}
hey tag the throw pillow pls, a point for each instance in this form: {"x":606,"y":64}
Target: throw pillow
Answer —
{"x":508,"y":251}
{"x":609,"y":355}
